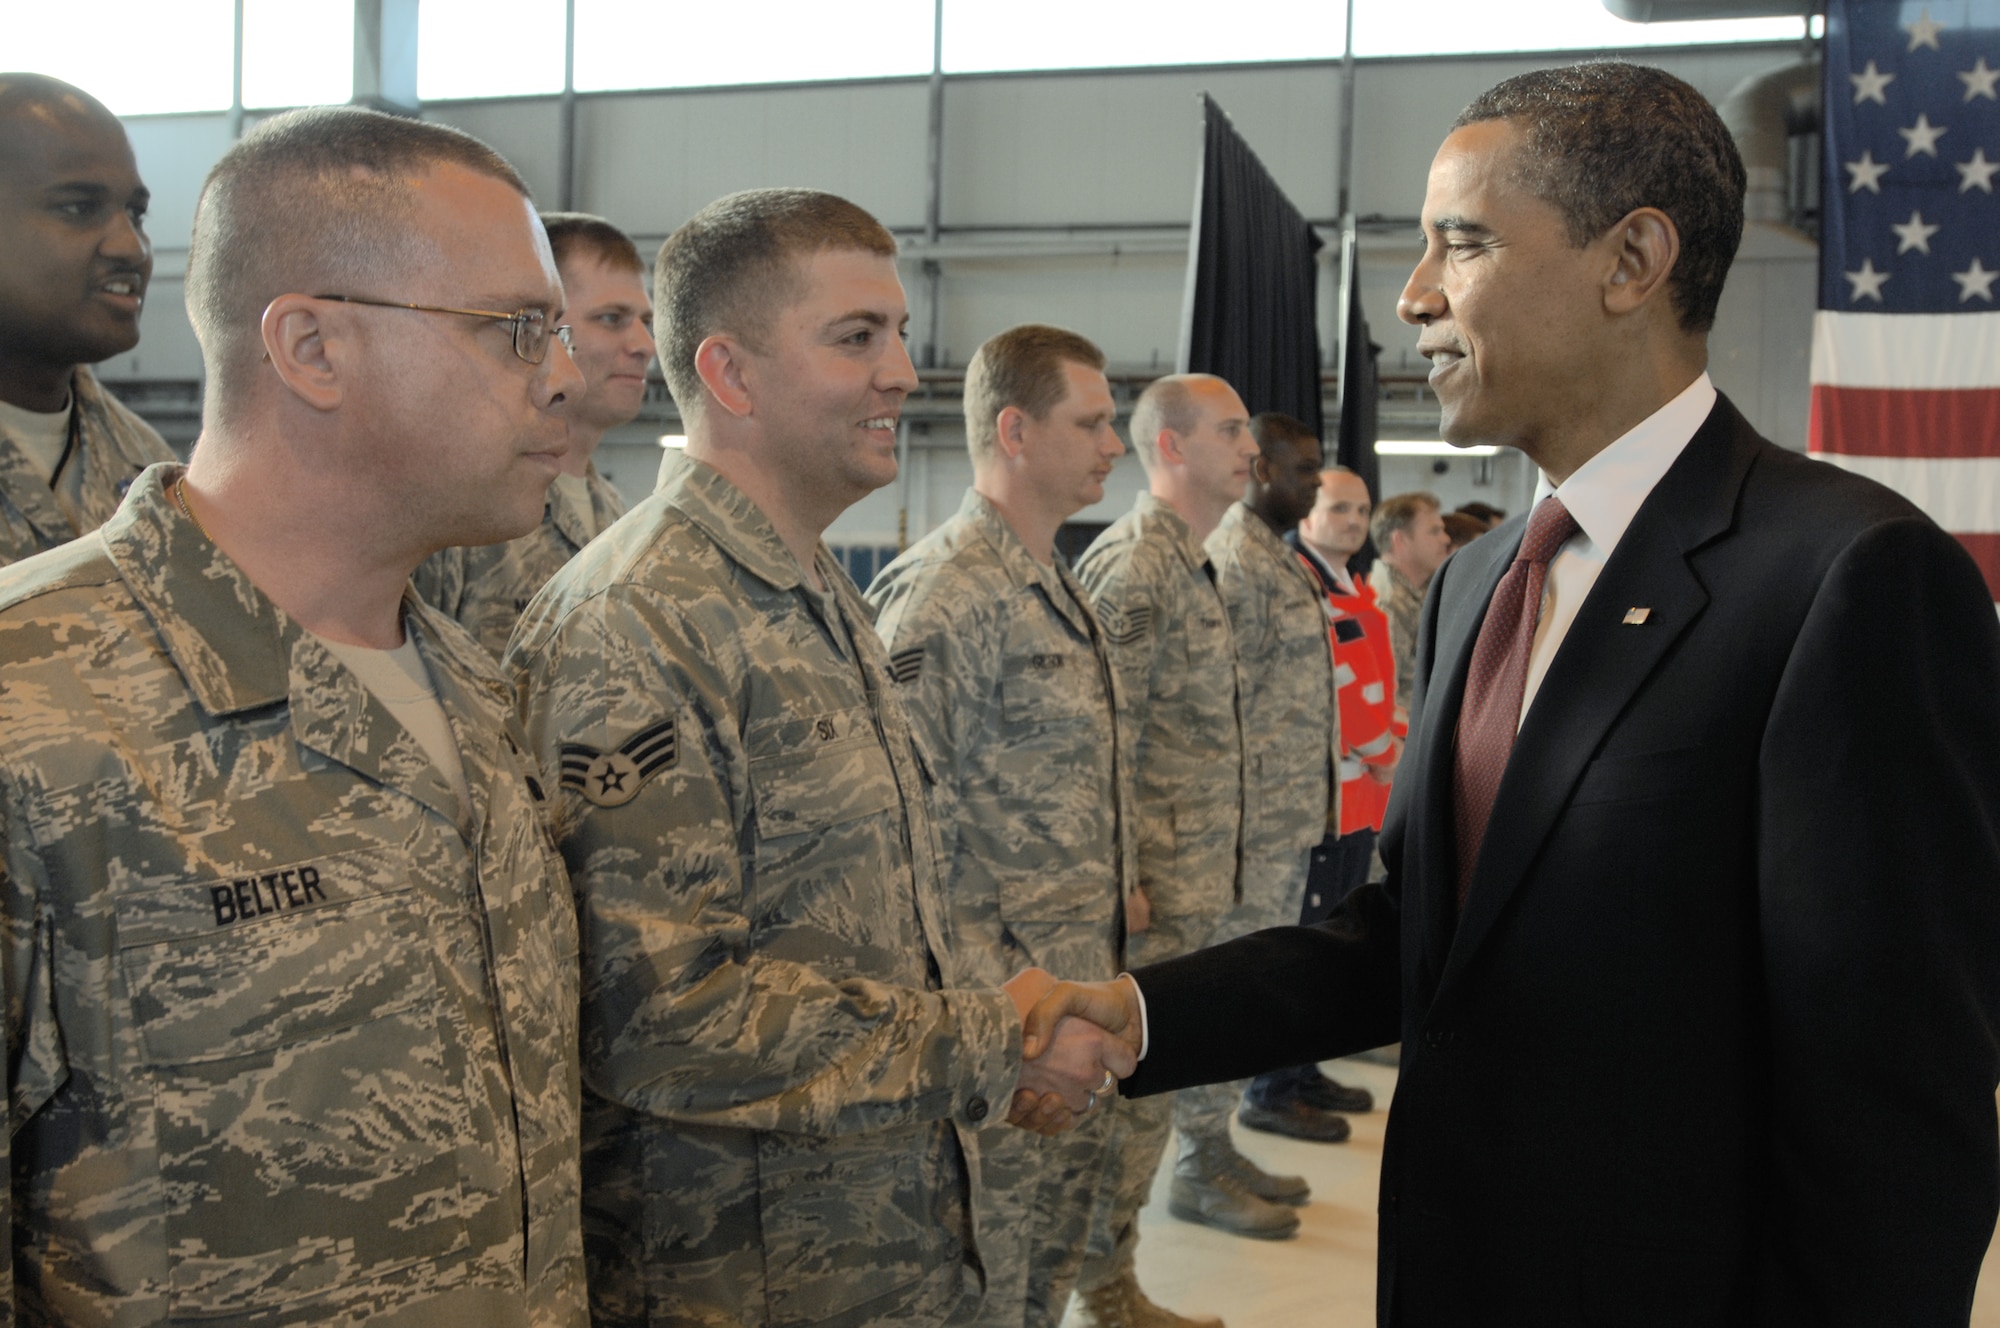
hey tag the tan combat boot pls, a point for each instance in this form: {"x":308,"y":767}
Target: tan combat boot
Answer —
{"x":1121,"y":1304}
{"x":1208,"y":1190}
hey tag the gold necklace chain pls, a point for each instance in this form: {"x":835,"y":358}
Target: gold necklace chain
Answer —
{"x":181,"y":497}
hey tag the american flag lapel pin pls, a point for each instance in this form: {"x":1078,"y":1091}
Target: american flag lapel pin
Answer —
{"x":1637,"y":617}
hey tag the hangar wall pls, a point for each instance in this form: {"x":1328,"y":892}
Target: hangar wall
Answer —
{"x":1064,"y":197}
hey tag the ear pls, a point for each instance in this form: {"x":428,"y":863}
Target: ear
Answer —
{"x":1647,"y":247}
{"x":1010,"y":431}
{"x":1168,"y":448}
{"x":304,"y":350}
{"x":1260,"y":470}
{"x":725,"y":370}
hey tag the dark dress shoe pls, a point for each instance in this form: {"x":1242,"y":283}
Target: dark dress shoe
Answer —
{"x":1331,"y":1095}
{"x":1295,"y":1119}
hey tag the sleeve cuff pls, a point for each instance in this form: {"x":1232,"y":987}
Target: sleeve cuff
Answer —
{"x":1145,"y":1029}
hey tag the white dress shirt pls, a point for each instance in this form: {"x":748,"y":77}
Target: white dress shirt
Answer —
{"x":1604,"y":495}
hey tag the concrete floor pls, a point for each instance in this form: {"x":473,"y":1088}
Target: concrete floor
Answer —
{"x":1326,"y":1276}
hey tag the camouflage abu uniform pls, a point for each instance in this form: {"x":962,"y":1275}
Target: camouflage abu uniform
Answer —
{"x":1291,"y":726}
{"x":287,"y":1045}
{"x":1004,"y":673}
{"x":113,"y":446}
{"x":487,"y":587}
{"x":1404,"y":605}
{"x":1154,"y":591}
{"x":783,"y":1094}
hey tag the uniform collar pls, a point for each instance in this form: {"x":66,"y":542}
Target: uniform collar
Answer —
{"x":727,"y":516}
{"x":1156,"y":512}
{"x":230,"y":642}
{"x":1257,"y":532}
{"x":1020,"y":565}
{"x":580,"y":522}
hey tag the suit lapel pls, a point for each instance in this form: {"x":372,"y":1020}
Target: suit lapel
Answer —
{"x":1435,"y":725}
{"x":1603,"y":664}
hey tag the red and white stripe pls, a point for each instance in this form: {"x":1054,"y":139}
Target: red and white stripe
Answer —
{"x":1913,"y":400}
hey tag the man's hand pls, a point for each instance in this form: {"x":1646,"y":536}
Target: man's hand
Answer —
{"x":1070,"y":1062}
{"x":1138,"y":912}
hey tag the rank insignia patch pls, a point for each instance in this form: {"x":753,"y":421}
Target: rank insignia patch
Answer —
{"x":905,"y":665}
{"x":1124,"y":627}
{"x":612,"y":779}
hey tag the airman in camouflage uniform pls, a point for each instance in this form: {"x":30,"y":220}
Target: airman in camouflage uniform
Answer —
{"x":1153,"y":588}
{"x":112,"y":447}
{"x":486,"y":587}
{"x":1004,"y":670}
{"x":289,"y":963}
{"x":286,"y":1045}
{"x":74,"y":263}
{"x":1290,"y":720}
{"x":785,"y":1079}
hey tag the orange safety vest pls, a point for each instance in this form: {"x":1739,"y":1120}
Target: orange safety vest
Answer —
{"x":1366,"y":674}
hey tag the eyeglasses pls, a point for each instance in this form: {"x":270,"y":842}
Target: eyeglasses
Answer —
{"x":531,"y":326}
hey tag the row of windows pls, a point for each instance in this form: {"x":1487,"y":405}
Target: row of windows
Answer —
{"x":179,"y":56}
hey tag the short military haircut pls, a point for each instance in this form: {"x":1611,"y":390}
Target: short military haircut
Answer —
{"x":1024,"y":367}
{"x":1478,"y":511}
{"x":312,"y":202}
{"x":1274,"y":429}
{"x":1167,"y":403}
{"x":579,"y":234}
{"x":1604,"y":138}
{"x":1400,"y":512}
{"x":735,"y":265}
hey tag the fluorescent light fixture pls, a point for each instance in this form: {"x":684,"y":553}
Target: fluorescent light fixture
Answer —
{"x":673,"y":440}
{"x":1410,"y":447}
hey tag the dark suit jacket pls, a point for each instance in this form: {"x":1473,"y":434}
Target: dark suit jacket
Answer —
{"x":1715,"y":1040}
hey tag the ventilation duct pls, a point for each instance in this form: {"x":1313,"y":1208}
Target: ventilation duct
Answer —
{"x":1775,"y":118}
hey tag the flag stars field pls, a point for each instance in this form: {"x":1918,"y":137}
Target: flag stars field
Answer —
{"x":1906,"y":342}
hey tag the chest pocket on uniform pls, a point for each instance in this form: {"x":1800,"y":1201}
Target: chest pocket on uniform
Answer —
{"x":289,"y":1024}
{"x":1049,"y":687}
{"x":813,"y":773}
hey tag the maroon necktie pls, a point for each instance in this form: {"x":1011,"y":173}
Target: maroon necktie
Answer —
{"x":1491,"y":713}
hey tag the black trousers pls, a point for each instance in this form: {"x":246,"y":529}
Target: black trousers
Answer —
{"x":1339,"y":865}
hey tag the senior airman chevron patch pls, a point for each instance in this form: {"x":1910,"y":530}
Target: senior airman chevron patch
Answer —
{"x":1124,"y":627}
{"x":614,"y":778}
{"x":906,"y":665}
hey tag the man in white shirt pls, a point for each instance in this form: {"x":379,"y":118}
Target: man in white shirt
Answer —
{"x":1692,"y":924}
{"x":74,"y":264}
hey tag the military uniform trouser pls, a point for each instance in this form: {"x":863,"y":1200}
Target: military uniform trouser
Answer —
{"x":1139,"y":1129}
{"x":1273,"y":888}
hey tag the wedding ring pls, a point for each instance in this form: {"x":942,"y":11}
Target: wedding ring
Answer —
{"x":1110,"y":1082}
{"x":1089,"y":1104}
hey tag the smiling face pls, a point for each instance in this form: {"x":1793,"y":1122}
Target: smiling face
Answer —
{"x":74,"y":257}
{"x":611,"y":319}
{"x":1070,"y":451}
{"x":827,"y":387}
{"x":1512,"y":314}
{"x":1338,"y":524}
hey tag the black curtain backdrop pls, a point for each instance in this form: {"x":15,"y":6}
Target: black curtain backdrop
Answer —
{"x":1251,"y":310}
{"x":1355,"y":445}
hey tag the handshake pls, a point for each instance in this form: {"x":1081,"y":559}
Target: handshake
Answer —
{"x":1078,"y":1039}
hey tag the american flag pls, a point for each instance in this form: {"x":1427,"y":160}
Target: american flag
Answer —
{"x":1906,"y":343}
